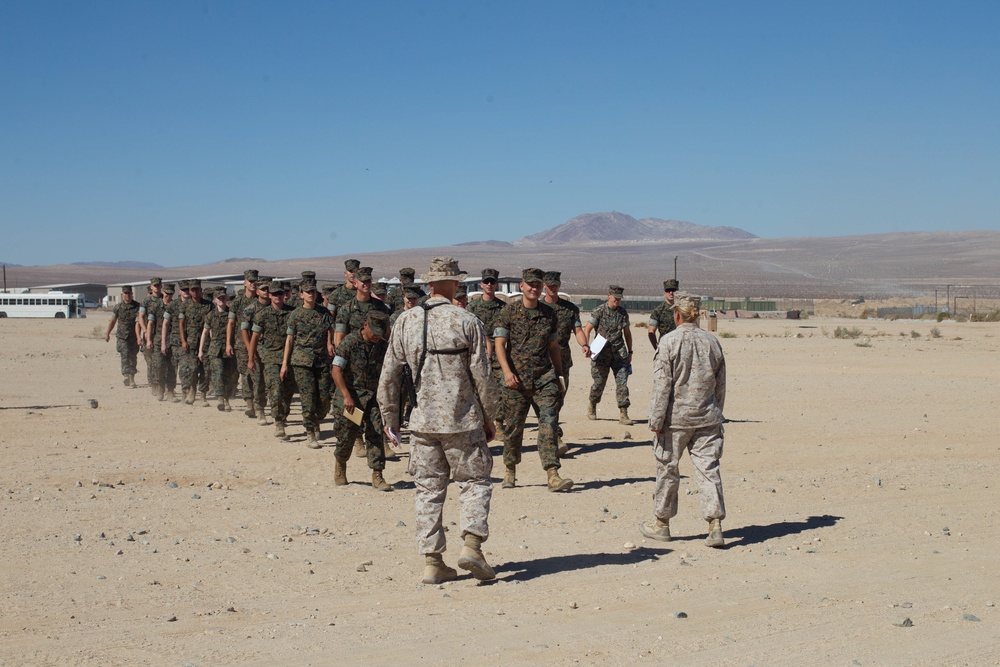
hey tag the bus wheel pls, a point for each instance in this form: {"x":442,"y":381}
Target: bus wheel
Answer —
{"x":60,"y":316}
{"x":2,"y":314}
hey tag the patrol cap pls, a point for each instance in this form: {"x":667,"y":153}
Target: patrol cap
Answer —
{"x":194,"y":283}
{"x":406,"y":274}
{"x":378,"y":322}
{"x":307,"y":286}
{"x":251,"y":275}
{"x":184,"y":284}
{"x":671,"y":285}
{"x":552,"y":278}
{"x":155,"y":281}
{"x":168,"y":288}
{"x":686,"y":301}
{"x":220,"y":293}
{"x":352,"y":265}
{"x":309,"y":275}
{"x":286,"y":285}
{"x":276,"y":287}
{"x":616,"y":290}
{"x":461,"y":290}
{"x":412,"y":291}
{"x":126,"y":289}
{"x":491,"y":273}
{"x":532,"y":275}
{"x":264,"y":286}
{"x":265,"y":279}
{"x":363,"y":273}
{"x":328,"y":288}
{"x":380,"y":288}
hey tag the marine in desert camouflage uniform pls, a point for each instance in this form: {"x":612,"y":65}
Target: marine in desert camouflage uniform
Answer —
{"x":685,"y":413}
{"x":610,"y":320}
{"x":126,"y":317}
{"x":356,"y":370}
{"x":451,"y":423}
{"x":270,"y":331}
{"x":307,"y":355}
{"x":527,"y":346}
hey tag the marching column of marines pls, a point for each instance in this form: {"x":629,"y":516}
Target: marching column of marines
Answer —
{"x":369,"y":355}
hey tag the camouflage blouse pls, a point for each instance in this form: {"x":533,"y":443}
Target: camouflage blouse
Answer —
{"x":528,"y":332}
{"x":309,"y":326}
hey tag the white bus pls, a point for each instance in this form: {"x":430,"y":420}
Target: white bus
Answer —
{"x":52,"y":304}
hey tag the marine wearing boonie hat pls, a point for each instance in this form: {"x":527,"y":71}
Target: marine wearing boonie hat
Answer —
{"x":532,"y":275}
{"x":444,"y":268}
{"x":616,"y":291}
{"x":686,"y":301}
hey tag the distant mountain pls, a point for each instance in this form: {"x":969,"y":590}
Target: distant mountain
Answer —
{"x":621,"y":227}
{"x":494,"y":243}
{"x":120,"y":265}
{"x":9,"y":264}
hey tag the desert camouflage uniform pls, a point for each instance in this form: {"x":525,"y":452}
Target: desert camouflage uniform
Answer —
{"x":351,"y":316}
{"x":272,"y":325}
{"x":310,"y":362}
{"x":222,"y":368}
{"x":662,"y":318}
{"x":192,"y":318}
{"x":528,"y":332}
{"x":454,"y":395}
{"x":361,"y":364}
{"x":689,"y":394}
{"x":126,"y":342}
{"x":163,"y":365}
{"x":147,"y":304}
{"x":614,"y":357}
{"x":254,"y":388}
{"x":488,"y":313}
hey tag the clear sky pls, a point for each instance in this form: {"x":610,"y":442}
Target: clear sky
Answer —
{"x":185,"y":133}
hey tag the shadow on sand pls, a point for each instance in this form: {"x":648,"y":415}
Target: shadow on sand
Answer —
{"x":539,"y":567}
{"x":747,"y":535}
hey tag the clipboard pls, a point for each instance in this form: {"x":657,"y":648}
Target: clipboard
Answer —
{"x":598,"y":345}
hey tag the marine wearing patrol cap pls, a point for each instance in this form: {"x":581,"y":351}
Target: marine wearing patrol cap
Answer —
{"x":155,"y":281}
{"x":276,"y":287}
{"x":251,"y":275}
{"x":363,"y":273}
{"x":380,"y":289}
{"x":378,"y":322}
{"x":412,"y":291}
{"x":687,"y":302}
{"x":491,"y":274}
{"x":552,"y":278}
{"x":616,"y":291}
{"x":352,"y":265}
{"x":407,"y":275}
{"x":168,"y":288}
{"x":671,"y":285}
{"x":126,"y":289}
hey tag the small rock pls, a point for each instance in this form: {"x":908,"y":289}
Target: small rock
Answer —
{"x":628,"y":545}
{"x":362,"y":568}
{"x":230,"y":608}
{"x":79,"y":484}
{"x":195,"y":496}
{"x":907,"y":605}
{"x":904,"y":622}
{"x":101,"y":577}
{"x":172,"y":485}
{"x":680,"y":614}
{"x":644,"y":583}
{"x":171,"y":619}
{"x":970,"y":617}
{"x":768,"y":489}
{"x":627,"y":436}
{"x":400,"y":524}
{"x":573,"y":605}
{"x":79,"y":538}
{"x":989,"y":603}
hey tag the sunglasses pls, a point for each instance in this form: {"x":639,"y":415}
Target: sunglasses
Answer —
{"x":489,"y":281}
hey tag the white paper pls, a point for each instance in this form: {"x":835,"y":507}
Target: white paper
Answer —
{"x":598,"y":345}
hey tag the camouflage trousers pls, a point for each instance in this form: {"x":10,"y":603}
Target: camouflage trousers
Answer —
{"x":164,"y":373}
{"x":224,"y":376}
{"x":128,"y":350}
{"x":405,"y":386}
{"x":498,"y":383}
{"x":279,"y":392}
{"x":347,"y":432}
{"x":545,"y":394}
{"x":191,"y":370}
{"x":252,"y":382}
{"x":562,"y":401}
{"x":599,"y":371}
{"x":315,"y":384}
{"x":705,"y":448}
{"x":434,"y":459}
{"x":147,"y":354}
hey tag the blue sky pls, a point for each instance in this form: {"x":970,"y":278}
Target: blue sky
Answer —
{"x":184,"y":133}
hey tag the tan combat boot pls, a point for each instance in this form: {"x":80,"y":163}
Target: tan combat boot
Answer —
{"x":229,"y":408}
{"x":435,"y":571}
{"x":250,"y":411}
{"x":390,"y":453}
{"x":557,"y":483}
{"x":561,"y":448}
{"x":279,"y":431}
{"x":656,"y":530}
{"x":221,"y":405}
{"x":509,"y":478}
{"x":261,"y":416}
{"x":189,"y":396}
{"x":161,"y":393}
{"x":131,"y":379}
{"x":473,"y":560}
{"x":715,"y":534}
{"x":174,"y":396}
{"x":126,"y":379}
{"x":379,"y":483}
{"x":204,"y":399}
{"x":623,"y":418}
{"x":312,"y":439}
{"x":359,"y":448}
{"x":154,"y":389}
{"x":340,"y":472}
{"x":592,"y":411}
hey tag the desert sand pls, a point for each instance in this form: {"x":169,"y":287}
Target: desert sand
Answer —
{"x":860,"y":480}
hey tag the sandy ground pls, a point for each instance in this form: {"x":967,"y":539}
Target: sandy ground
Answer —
{"x":860,"y":483}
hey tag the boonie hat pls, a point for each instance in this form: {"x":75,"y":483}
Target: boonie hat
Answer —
{"x":444,"y":268}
